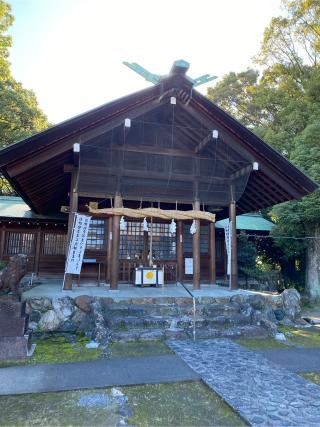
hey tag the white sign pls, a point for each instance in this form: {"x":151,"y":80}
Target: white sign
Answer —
{"x":77,"y":244}
{"x":188,"y":265}
{"x":227,"y":237}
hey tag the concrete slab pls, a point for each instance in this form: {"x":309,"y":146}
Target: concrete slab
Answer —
{"x":52,"y":288}
{"x":295,"y":359}
{"x":94,"y":374}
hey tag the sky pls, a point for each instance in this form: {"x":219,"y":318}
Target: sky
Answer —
{"x":70,"y":52}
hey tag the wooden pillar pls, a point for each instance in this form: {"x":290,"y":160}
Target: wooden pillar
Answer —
{"x":2,"y":241}
{"x":145,"y":249}
{"x":196,"y":250}
{"x":72,"y":212}
{"x":180,"y":266}
{"x":37,"y":253}
{"x":114,"y":273}
{"x":212,"y":252}
{"x":234,"y":252}
{"x":108,"y":231}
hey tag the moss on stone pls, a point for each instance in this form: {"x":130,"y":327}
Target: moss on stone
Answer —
{"x":138,"y":349}
{"x":179,"y":404}
{"x":57,"y":349}
{"x":301,"y":337}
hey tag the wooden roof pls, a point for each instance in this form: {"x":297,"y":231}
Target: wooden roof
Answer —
{"x":35,"y":166}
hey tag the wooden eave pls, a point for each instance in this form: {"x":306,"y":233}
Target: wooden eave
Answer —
{"x":34,"y":166}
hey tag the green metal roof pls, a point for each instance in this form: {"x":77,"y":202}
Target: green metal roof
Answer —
{"x":251,"y":221}
{"x":15,"y":207}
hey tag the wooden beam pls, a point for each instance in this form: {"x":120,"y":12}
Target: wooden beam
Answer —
{"x":202,"y":144}
{"x":212,"y":252}
{"x":37,"y":252}
{"x":234,"y":253}
{"x":73,"y":210}
{"x":196,"y":250}
{"x":2,"y":240}
{"x":145,"y":249}
{"x":115,"y":245}
{"x":109,"y":249}
{"x":180,"y":266}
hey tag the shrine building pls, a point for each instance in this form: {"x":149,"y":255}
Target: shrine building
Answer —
{"x":156,"y":170}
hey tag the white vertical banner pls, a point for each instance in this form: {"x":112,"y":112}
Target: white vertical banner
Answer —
{"x":77,"y":244}
{"x":227,"y":238}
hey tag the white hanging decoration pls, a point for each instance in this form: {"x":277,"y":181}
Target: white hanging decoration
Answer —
{"x":172,"y":227}
{"x":123,"y":224}
{"x":145,"y":225}
{"x":193,"y":228}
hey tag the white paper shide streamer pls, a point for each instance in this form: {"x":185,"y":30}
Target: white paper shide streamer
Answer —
{"x":123,"y":224}
{"x":193,"y":228}
{"x":145,"y":225}
{"x":172,"y":227}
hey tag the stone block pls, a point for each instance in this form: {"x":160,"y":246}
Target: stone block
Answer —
{"x":14,"y":347}
{"x":83,"y":302}
{"x":12,"y":327}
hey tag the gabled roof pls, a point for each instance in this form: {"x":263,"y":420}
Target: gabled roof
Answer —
{"x":34,"y":166}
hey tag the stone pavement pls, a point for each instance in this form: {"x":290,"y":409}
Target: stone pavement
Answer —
{"x":263,"y":393}
{"x":295,"y":359}
{"x":94,"y":374}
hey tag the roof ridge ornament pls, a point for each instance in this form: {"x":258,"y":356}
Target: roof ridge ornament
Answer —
{"x":179,"y":67}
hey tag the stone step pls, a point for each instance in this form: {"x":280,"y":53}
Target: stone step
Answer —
{"x":13,"y":327}
{"x":147,"y":310}
{"x":15,"y":347}
{"x":139,"y":334}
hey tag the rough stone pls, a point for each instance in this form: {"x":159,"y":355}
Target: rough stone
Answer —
{"x":63,"y":307}
{"x":35,"y":316}
{"x":82,"y":321}
{"x":49,"y":321}
{"x":40,"y":304}
{"x":256,"y":301}
{"x":279,"y":313}
{"x":13,"y":272}
{"x":84,"y":303}
{"x":291,"y":303}
{"x":101,"y":332}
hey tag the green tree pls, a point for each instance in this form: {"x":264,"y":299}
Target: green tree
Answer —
{"x":284,"y":107}
{"x":20,"y":115}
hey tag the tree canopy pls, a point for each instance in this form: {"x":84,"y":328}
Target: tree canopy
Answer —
{"x":281,"y":104}
{"x":20,"y":115}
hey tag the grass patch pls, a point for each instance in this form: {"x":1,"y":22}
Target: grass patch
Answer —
{"x":313,"y":377}
{"x":57,"y":349}
{"x":308,"y":337}
{"x":261,"y":343}
{"x":179,"y":404}
{"x":138,"y":349}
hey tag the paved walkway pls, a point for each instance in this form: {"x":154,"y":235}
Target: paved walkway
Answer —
{"x":94,"y":374}
{"x":263,"y":393}
{"x":295,"y":359}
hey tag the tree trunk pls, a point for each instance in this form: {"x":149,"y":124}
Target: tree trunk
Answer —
{"x":313,"y":263}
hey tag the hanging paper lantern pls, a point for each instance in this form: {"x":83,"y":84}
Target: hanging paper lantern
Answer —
{"x":172,"y":227}
{"x":145,"y":225}
{"x":123,"y":224}
{"x":193,"y":228}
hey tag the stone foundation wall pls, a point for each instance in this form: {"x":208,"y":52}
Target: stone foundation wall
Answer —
{"x":156,"y":318}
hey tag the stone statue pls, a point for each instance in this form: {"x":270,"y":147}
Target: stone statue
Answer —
{"x":12,"y":273}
